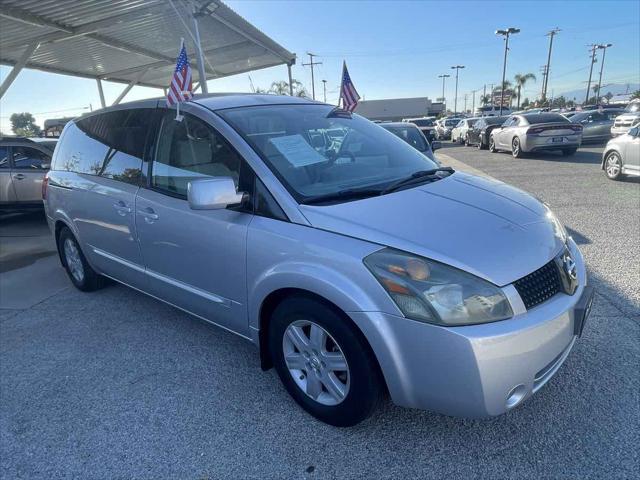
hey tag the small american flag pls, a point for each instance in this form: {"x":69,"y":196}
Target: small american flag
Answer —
{"x":348,"y":92}
{"x":181,"y":88}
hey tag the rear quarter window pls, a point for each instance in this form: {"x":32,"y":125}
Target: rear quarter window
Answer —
{"x":109,"y":145}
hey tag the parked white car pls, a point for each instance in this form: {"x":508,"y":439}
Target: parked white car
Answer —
{"x":628,"y":120}
{"x":621,"y":156}
{"x":459,"y":133}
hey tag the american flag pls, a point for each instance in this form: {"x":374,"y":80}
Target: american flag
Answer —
{"x":181,"y":88}
{"x":348,"y":92}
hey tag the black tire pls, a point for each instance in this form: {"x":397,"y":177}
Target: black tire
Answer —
{"x":481,"y":146}
{"x":89,"y":280}
{"x":366,"y":387}
{"x":492,"y":145}
{"x":612,"y":161}
{"x":567,"y":152}
{"x":516,"y":148}
{"x":466,"y":140}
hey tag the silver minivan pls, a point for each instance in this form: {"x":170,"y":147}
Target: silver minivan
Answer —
{"x":357,"y":266}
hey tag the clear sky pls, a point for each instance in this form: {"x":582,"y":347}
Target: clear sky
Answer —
{"x":395,"y":49}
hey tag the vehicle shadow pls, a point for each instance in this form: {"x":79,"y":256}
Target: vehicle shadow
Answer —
{"x":581,"y":156}
{"x":579,"y":238}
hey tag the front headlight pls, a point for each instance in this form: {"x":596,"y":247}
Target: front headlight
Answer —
{"x":435,"y":293}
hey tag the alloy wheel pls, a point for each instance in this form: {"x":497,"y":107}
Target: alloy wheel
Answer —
{"x":73,"y":260}
{"x":515,"y":147}
{"x":613,"y":166}
{"x":316,"y":362}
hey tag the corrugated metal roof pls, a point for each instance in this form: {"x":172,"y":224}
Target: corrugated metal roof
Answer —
{"x":120,"y":40}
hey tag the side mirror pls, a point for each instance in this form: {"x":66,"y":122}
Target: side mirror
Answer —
{"x":435,"y":145}
{"x":213,"y":193}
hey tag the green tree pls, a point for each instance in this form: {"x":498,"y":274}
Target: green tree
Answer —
{"x":521,"y":80}
{"x":24,"y":125}
{"x":485,"y":99}
{"x":635,"y":94}
{"x":525,"y":103}
{"x":282,"y":88}
{"x":608,"y":96}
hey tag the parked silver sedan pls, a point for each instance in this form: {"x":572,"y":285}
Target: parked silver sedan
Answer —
{"x":536,"y":132}
{"x":621,"y":156}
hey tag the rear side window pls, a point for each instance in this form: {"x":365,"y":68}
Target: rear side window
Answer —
{"x":110,"y":145}
{"x":4,"y":157}
{"x":188,"y":150}
{"x":29,"y":158}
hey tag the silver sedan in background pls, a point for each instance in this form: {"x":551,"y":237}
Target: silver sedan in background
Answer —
{"x":521,"y":134}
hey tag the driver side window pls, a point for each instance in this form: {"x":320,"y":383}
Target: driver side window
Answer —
{"x":188,"y":150}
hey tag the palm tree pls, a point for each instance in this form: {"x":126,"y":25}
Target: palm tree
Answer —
{"x":508,"y":91}
{"x":521,"y":80}
{"x":485,"y":99}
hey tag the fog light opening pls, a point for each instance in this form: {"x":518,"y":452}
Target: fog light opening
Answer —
{"x":516,"y":395}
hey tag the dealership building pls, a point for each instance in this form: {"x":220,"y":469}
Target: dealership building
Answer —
{"x":395,"y":109}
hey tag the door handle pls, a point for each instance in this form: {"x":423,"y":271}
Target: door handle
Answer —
{"x":149,"y":215}
{"x":121,"y":208}
{"x":18,"y":176}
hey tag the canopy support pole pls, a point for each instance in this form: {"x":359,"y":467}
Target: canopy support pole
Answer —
{"x":22,"y":61}
{"x":201,"y":72}
{"x":195,"y":86}
{"x":102,"y":102}
{"x":126,"y":90}
{"x":290,"y":79}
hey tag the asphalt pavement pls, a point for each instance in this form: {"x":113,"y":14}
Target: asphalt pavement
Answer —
{"x":114,"y":384}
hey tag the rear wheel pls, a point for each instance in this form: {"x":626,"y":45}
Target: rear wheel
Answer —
{"x":516,"y":148}
{"x":466,"y":140}
{"x":567,"y":152}
{"x":613,"y":166}
{"x":480,"y":144}
{"x":323,"y":362}
{"x":73,"y":260}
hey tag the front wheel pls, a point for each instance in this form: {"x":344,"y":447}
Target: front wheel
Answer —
{"x":466,"y":140}
{"x":324,"y":362}
{"x":492,"y":145}
{"x":613,"y":166}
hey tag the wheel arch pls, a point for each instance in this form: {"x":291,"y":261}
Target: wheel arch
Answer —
{"x":275,"y":298}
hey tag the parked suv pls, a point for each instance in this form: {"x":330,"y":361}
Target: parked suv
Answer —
{"x":427,"y":126}
{"x":357,"y":267}
{"x":627,"y":120}
{"x":23,"y":164}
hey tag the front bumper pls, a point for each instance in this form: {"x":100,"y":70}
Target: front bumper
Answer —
{"x":478,"y":370}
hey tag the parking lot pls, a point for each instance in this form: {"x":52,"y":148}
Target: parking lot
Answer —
{"x":115,"y":384}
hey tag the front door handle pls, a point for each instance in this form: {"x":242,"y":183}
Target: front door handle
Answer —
{"x":121,"y":208}
{"x":18,"y":176}
{"x":149,"y":215}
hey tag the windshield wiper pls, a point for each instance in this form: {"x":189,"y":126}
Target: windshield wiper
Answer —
{"x":417,"y":177}
{"x":351,"y":194}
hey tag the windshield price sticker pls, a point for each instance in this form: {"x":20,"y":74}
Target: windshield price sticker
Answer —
{"x":297,"y":151}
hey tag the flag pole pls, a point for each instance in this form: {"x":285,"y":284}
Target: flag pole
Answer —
{"x":344,"y":65}
{"x":178,"y":116}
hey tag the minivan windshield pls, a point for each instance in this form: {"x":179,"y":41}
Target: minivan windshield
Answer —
{"x":300,"y":145}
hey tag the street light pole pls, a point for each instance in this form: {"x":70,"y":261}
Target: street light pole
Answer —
{"x":593,"y":60}
{"x":505,"y":33}
{"x":444,"y":102}
{"x":604,"y":51}
{"x":455,"y":100}
{"x":324,"y":87}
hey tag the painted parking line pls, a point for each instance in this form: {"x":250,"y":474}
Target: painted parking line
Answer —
{"x":458,"y":165}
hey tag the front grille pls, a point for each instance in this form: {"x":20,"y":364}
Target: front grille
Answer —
{"x":539,"y":286}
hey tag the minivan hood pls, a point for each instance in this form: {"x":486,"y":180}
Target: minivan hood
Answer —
{"x":477,"y":224}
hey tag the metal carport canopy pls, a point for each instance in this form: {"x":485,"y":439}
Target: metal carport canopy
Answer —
{"x":130,"y":41}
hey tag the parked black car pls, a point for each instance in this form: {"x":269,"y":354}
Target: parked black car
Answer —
{"x":480,"y":133}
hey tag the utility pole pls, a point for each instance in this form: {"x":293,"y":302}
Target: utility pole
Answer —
{"x":324,"y":88}
{"x":444,"y":102}
{"x":465,"y":102}
{"x":505,"y":34}
{"x":543,"y":70}
{"x":312,"y":64}
{"x":473,"y":102}
{"x":593,"y":60}
{"x":604,"y":51}
{"x":455,"y":100}
{"x":551,"y":34}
